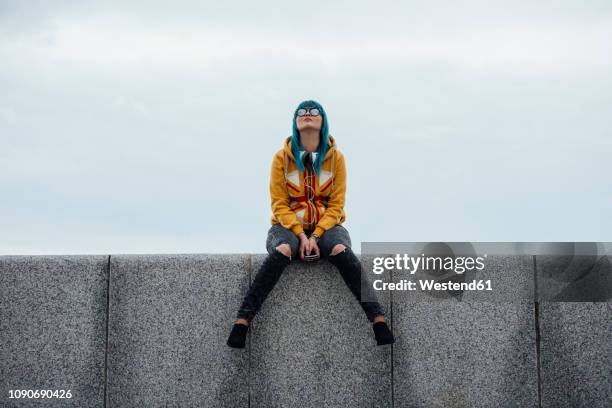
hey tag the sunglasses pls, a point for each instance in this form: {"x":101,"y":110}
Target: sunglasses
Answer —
{"x":312,"y":111}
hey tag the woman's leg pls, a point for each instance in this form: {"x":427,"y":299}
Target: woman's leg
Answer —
{"x":268,"y":274}
{"x":335,"y":244}
{"x":282,"y":245}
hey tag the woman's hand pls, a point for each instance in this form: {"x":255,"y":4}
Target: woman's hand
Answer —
{"x":304,"y":245}
{"x":314,"y":247}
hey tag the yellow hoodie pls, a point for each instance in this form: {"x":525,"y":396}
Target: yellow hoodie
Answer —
{"x":303,"y":201}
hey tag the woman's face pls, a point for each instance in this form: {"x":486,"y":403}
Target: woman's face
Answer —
{"x":309,"y":122}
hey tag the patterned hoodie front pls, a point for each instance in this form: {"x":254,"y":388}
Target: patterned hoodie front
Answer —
{"x":305,"y":201}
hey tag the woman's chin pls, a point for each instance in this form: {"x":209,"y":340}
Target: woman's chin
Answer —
{"x":309,"y":126}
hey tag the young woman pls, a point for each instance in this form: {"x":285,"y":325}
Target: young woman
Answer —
{"x":307,"y":189}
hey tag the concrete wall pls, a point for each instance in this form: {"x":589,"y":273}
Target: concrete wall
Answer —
{"x":150,"y":330}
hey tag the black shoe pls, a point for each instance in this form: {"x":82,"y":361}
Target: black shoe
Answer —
{"x":237,"y":337}
{"x":382,"y":333}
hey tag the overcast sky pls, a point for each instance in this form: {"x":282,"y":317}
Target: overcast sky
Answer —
{"x":150,"y":128}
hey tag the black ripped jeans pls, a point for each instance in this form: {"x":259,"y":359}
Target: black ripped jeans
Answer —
{"x":275,"y":263}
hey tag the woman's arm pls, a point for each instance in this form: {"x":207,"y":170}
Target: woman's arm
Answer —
{"x":280,"y":198}
{"x":334,"y":213}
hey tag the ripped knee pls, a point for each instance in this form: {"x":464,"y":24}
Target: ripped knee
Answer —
{"x":337,"y":249}
{"x":284,"y":249}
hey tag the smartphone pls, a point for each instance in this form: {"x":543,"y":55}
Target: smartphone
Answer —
{"x":310,"y":258}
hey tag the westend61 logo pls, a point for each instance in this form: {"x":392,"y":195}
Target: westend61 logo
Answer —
{"x":413,"y":264}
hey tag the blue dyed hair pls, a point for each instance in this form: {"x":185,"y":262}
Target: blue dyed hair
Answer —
{"x":323,"y":139}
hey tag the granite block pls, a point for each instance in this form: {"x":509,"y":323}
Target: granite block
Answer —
{"x":574,"y":278}
{"x":170,"y":316}
{"x":53,"y":328}
{"x":512,"y":280}
{"x":312,"y":345}
{"x":457,"y":352}
{"x":576,"y":354}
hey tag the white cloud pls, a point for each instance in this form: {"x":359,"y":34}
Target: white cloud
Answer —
{"x":8,"y":116}
{"x":145,"y":121}
{"x":130,"y":104}
{"x":520,"y":47}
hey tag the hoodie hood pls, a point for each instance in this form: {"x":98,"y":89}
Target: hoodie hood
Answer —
{"x":330,"y":151}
